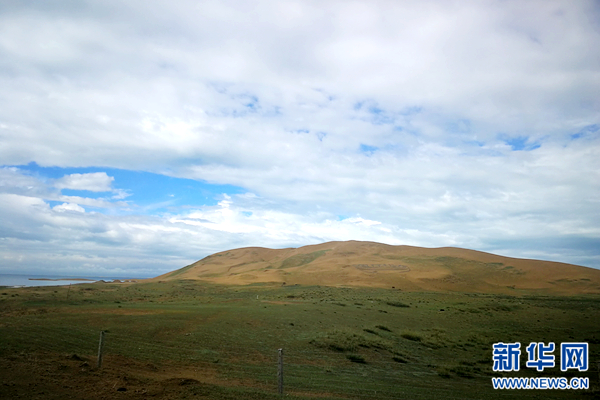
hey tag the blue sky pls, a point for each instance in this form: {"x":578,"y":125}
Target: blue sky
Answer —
{"x":144,"y":192}
{"x":138,"y":137}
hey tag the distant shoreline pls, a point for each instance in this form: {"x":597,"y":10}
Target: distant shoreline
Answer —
{"x":62,"y":279}
{"x":15,"y":280}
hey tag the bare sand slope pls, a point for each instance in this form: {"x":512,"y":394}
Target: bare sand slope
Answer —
{"x":356,"y":263}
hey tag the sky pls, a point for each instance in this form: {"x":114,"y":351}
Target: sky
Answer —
{"x":138,"y":137}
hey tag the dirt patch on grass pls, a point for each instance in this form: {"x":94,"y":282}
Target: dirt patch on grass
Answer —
{"x":18,"y":312}
{"x":231,"y":300}
{"x":56,"y":376}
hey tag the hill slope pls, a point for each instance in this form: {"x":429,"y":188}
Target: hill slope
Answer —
{"x":355,"y":263}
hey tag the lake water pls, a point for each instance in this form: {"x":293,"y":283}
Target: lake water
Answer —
{"x":13,"y":280}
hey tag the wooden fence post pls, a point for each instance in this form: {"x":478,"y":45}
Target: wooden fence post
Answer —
{"x":280,"y":373}
{"x":100,"y":349}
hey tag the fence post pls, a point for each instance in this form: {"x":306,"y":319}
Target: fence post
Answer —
{"x":280,"y":372}
{"x":100,"y":349}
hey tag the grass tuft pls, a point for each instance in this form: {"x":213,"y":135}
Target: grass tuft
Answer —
{"x":397,"y":304}
{"x":349,"y":341}
{"x":415,"y":337}
{"x":356,"y":358}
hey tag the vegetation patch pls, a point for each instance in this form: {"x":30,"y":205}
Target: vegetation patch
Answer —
{"x":463,"y":371}
{"x":495,"y":264}
{"x":499,"y":307}
{"x":397,"y":304}
{"x":435,"y":338}
{"x":356,"y":358}
{"x":346,"y":340}
{"x":415,"y":337}
{"x":383,"y":328}
{"x":301,"y":259}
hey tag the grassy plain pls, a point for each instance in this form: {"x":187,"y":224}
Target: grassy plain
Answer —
{"x":192,"y":339}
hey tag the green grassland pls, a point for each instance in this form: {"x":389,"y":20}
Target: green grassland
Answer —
{"x":357,"y":343}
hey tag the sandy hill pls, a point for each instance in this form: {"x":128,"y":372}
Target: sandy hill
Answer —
{"x":355,"y":263}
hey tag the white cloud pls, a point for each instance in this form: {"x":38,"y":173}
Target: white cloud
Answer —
{"x":362,"y":221}
{"x":94,"y":182}
{"x":68,"y":207}
{"x":150,"y":245}
{"x":15,"y":181}
{"x":281,"y":102}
